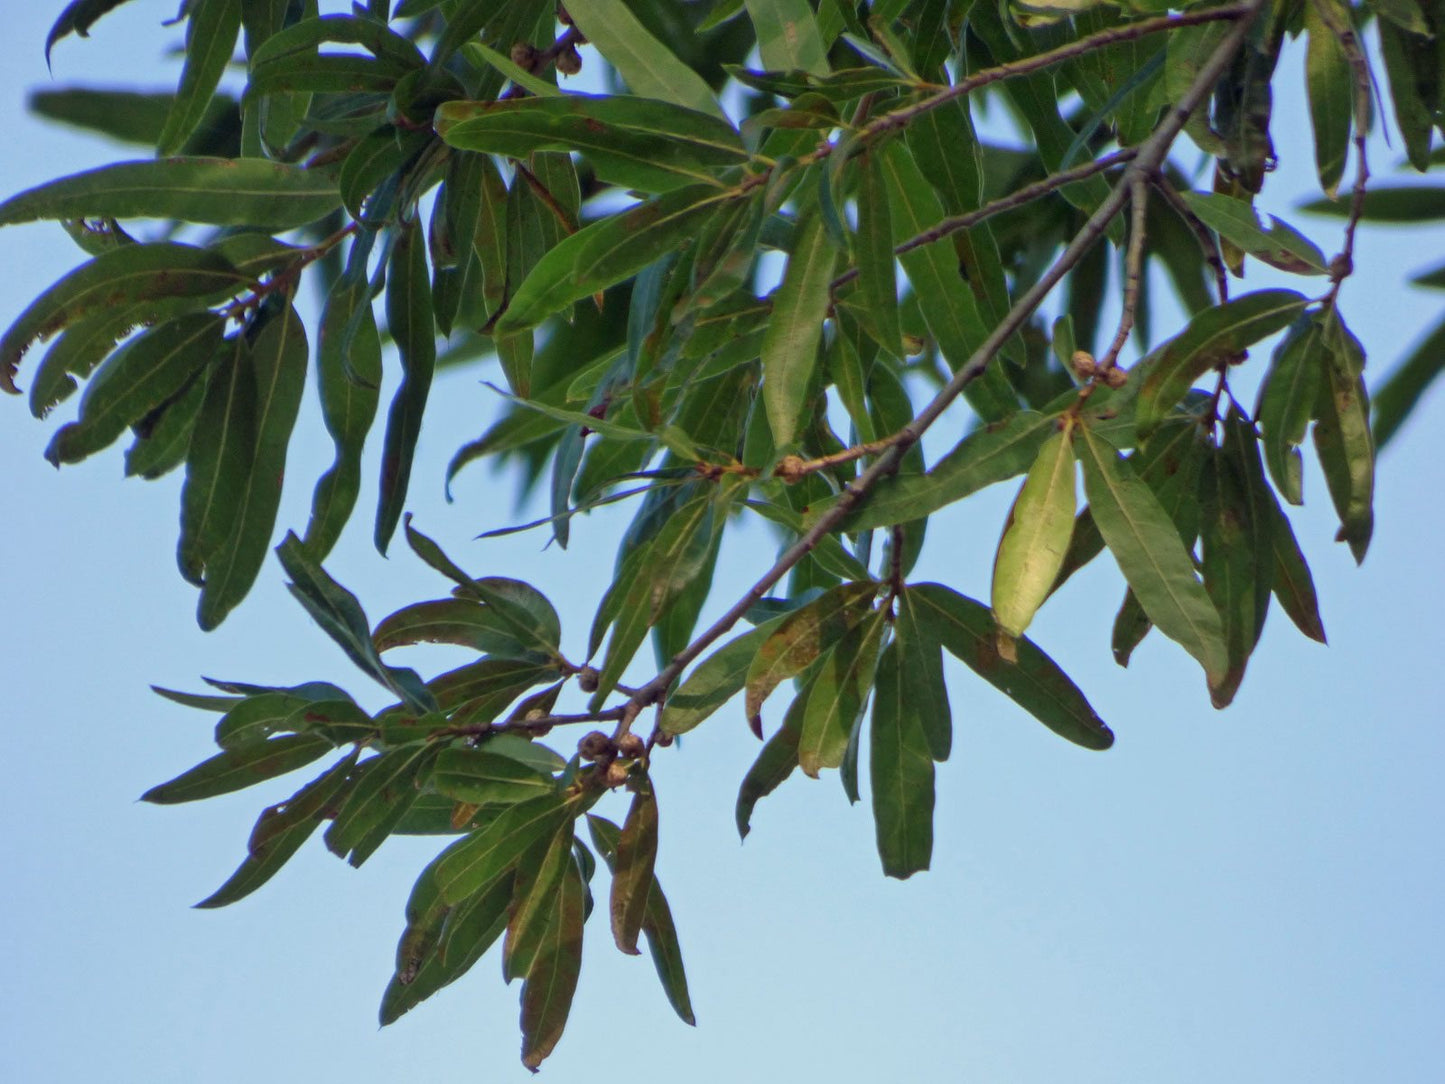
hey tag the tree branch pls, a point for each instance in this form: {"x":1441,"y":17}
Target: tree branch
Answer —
{"x":1150,"y":155}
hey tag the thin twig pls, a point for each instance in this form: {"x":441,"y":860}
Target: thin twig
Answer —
{"x":1133,"y":268}
{"x":1207,"y":245}
{"x":1027,"y":194}
{"x":898,"y":118}
{"x":1150,"y":155}
{"x":540,"y":723}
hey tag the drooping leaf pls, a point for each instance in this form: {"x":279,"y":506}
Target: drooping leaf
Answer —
{"x":535,"y":898}
{"x":212,"y":27}
{"x":839,"y":690}
{"x":1343,"y":441}
{"x":1215,"y":337}
{"x":278,"y":358}
{"x":147,"y":275}
{"x":77,"y":18}
{"x":236,"y":769}
{"x":657,"y":924}
{"x":776,"y":761}
{"x":948,"y":305}
{"x":920,"y":669}
{"x":1287,"y":401}
{"x":790,"y":348}
{"x":641,"y":143}
{"x":1330,"y":84}
{"x":216,"y":191}
{"x":1147,"y":548}
{"x":1034,"y":681}
{"x":877,"y":278}
{"x":552,"y":978}
{"x":901,"y":771}
{"x":141,"y":377}
{"x":1292,"y":583}
{"x":1402,"y":390}
{"x":164,"y":436}
{"x":1035,"y":537}
{"x":632,"y":877}
{"x":482,"y":777}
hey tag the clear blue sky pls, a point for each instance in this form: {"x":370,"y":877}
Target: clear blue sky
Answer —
{"x":1247,"y":896}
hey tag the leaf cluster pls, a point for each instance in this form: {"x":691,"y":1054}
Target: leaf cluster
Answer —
{"x":690,"y":284}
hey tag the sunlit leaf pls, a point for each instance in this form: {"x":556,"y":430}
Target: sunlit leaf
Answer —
{"x":901,"y":772}
{"x":790,"y":349}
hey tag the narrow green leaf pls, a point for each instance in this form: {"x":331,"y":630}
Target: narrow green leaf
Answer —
{"x":348,"y":363}
{"x":211,"y":32}
{"x":774,"y":764}
{"x":607,"y":252}
{"x":164,"y":436}
{"x":838,"y":692}
{"x":483,"y":777}
{"x":801,"y":638}
{"x":1147,"y":548}
{"x":552,"y":979}
{"x":1034,"y":682}
{"x":1035,"y":538}
{"x":410,"y":321}
{"x":216,"y":191}
{"x":1407,"y":384}
{"x":539,"y":882}
{"x":1292,"y":583}
{"x":901,"y":772}
{"x":1342,"y":436}
{"x":1394,"y":204}
{"x":1287,"y":399}
{"x":236,"y":769}
{"x":1330,"y":84}
{"x":657,"y":924}
{"x":1228,"y":562}
{"x":147,"y":275}
{"x":278,"y":360}
{"x":632,"y":878}
{"x":140,"y":378}
{"x":641,"y":143}
{"x":77,"y":18}
{"x":788,"y":36}
{"x":647,"y":65}
{"x":1280,"y":246}
{"x":1412,"y":67}
{"x":464,"y":622}
{"x":920,"y":668}
{"x":1215,"y":337}
{"x":219,"y":461}
{"x":477,"y":692}
{"x":279,"y":833}
{"x":949,"y":307}
{"x":1131,"y":625}
{"x":877,"y":278}
{"x":790,"y":348}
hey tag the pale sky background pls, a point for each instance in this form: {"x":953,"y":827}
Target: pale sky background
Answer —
{"x":1247,"y":896}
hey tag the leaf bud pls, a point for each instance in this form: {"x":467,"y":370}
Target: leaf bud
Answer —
{"x":588,"y":679}
{"x":569,"y":61}
{"x":1115,"y":377}
{"x":524,"y":55}
{"x":1084,"y":363}
{"x":595,"y":746}
{"x":630,"y":746}
{"x":616,"y":774}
